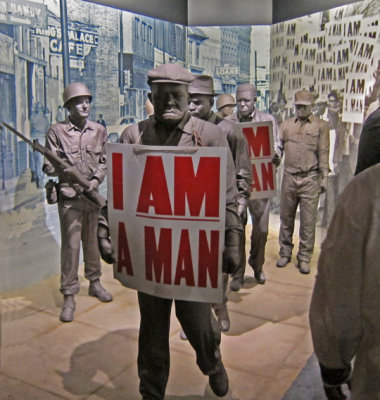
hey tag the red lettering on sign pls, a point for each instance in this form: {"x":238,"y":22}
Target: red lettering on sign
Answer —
{"x":267,"y":174}
{"x":154,"y":190}
{"x":208,"y":259}
{"x":255,"y":180}
{"x":184,"y":269}
{"x":117,"y":180}
{"x":124,"y":256}
{"x":196,"y":187}
{"x":259,"y":142}
{"x":158,"y":258}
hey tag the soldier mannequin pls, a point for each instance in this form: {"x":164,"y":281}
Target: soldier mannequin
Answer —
{"x":172,"y":125}
{"x":201,"y":92}
{"x":225,"y":104}
{"x":305,"y":139}
{"x":246,"y":97}
{"x":78,"y":217}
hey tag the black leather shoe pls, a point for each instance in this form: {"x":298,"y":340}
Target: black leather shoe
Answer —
{"x":224,"y":324}
{"x":219,"y":382}
{"x":260,"y":277}
{"x":236,"y":285}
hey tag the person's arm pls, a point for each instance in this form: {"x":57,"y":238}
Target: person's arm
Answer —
{"x":51,"y":143}
{"x":101,"y":168}
{"x":336,"y":306}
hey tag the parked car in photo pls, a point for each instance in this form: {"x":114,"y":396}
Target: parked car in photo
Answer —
{"x":114,"y":131}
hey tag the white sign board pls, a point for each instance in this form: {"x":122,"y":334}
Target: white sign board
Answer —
{"x":166,"y":208}
{"x":259,"y":137}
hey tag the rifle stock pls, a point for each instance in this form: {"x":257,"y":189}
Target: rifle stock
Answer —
{"x":67,"y":170}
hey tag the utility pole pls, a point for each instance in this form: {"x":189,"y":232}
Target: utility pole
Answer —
{"x":65,"y":43}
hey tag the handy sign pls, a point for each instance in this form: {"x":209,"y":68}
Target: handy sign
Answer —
{"x":259,"y":136}
{"x":166,"y":208}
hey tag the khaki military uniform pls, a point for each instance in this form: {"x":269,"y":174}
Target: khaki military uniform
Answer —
{"x":85,"y":151}
{"x":306,"y":149}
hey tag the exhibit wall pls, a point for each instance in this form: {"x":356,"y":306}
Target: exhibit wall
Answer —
{"x":111,"y":51}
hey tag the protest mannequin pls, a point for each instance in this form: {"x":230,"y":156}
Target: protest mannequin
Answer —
{"x":172,"y":125}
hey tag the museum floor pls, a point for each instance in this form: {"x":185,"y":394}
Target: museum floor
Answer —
{"x":94,"y":357}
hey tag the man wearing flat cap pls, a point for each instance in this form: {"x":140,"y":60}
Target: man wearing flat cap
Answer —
{"x":305,"y":139}
{"x":172,"y":125}
{"x":246,"y":96}
{"x":201,"y":92}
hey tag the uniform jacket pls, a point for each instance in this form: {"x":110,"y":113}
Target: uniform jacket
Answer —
{"x":345,"y":307}
{"x":259,"y":116}
{"x":190,"y":132}
{"x":84,"y":150}
{"x":240,"y":155}
{"x":306,"y":145}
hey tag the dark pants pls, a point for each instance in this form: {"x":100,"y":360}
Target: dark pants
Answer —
{"x":200,"y":327}
{"x":259,"y":211}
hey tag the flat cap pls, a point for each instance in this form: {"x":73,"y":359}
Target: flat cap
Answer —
{"x":202,"y":84}
{"x":247,"y":87}
{"x":303,"y":97}
{"x":169,"y":73}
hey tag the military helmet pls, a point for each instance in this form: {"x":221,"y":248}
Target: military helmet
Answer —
{"x":225,"y":99}
{"x":75,"y":89}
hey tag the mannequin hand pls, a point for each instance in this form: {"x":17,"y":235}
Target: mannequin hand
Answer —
{"x":104,"y":240}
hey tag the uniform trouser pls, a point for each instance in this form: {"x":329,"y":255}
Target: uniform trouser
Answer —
{"x":79,"y":223}
{"x":259,"y":211}
{"x":302,"y":190}
{"x":153,"y":360}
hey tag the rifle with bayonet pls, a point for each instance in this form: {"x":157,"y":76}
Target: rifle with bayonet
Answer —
{"x":68,"y":171}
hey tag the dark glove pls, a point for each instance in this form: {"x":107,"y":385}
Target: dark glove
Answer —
{"x":232,"y":253}
{"x":276,"y":160}
{"x":104,"y":240}
{"x":334,"y":392}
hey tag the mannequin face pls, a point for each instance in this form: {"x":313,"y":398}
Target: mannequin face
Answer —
{"x":79,"y":109}
{"x":200,"y":105}
{"x":245,"y":103}
{"x":227,"y":110}
{"x":169,"y":101}
{"x":303,"y":111}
